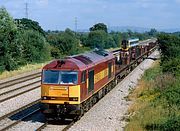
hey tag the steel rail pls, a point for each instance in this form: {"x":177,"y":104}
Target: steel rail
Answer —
{"x":68,"y":126}
{"x":20,"y":109}
{"x":19,"y":88}
{"x":7,"y":98}
{"x":19,"y":80}
{"x":19,"y":120}
{"x":42,"y":127}
{"x":64,"y":129}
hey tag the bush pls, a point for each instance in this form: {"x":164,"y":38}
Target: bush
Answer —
{"x":171,"y":65}
{"x":171,"y":95}
{"x":169,"y":124}
{"x":170,"y":53}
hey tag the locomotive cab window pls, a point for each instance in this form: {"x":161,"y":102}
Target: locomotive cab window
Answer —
{"x":50,"y":76}
{"x":59,"y":77}
{"x":83,"y":77}
{"x":68,"y":77}
{"x":109,"y":70}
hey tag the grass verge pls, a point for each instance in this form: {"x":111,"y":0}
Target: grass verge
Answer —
{"x":156,"y":102}
{"x":23,"y":69}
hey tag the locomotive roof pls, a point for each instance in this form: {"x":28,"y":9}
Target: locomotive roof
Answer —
{"x":133,"y":39}
{"x":81,"y":61}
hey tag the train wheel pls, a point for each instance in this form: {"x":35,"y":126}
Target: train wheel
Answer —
{"x":131,"y":68}
{"x":62,"y":119}
{"x":79,"y":114}
{"x":90,"y":103}
{"x":116,"y":81}
{"x":76,"y":118}
{"x":86,"y":106}
{"x":106,"y":89}
{"x":95,"y":99}
{"x":82,"y":111}
{"x":103,"y":92}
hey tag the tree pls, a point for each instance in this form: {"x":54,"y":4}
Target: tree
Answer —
{"x":110,"y":43}
{"x":117,"y":37}
{"x":152,"y":32}
{"x":99,"y":26}
{"x":130,"y":33}
{"x":27,"y":24}
{"x":170,"y":53}
{"x":64,"y":42}
{"x":96,"y":39}
{"x":34,"y":46}
{"x":83,"y":38}
{"x":169,"y":45}
{"x":10,"y":51}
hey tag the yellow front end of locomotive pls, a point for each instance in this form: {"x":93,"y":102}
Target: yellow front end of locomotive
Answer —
{"x":57,"y":94}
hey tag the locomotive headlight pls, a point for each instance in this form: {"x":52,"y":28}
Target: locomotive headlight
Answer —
{"x":73,"y":99}
{"x":44,"y":98}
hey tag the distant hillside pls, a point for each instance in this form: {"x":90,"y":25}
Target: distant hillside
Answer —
{"x":134,"y":29}
{"x":140,"y":29}
{"x":170,"y":30}
{"x":126,"y":28}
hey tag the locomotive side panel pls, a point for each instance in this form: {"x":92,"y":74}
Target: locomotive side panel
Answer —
{"x":101,"y":72}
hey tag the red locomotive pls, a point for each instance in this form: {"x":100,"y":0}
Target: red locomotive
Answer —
{"x":68,"y":85}
{"x":71,"y":86}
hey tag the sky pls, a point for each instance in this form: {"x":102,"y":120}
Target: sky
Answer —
{"x":61,"y":14}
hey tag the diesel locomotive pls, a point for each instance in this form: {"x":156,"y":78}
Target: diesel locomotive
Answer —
{"x":71,"y":86}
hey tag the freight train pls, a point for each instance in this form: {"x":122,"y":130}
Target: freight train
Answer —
{"x":71,"y":86}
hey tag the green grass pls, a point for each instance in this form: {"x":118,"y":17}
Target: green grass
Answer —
{"x":23,"y":69}
{"x":156,"y":102}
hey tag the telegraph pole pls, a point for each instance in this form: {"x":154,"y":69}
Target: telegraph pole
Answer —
{"x":26,"y":10}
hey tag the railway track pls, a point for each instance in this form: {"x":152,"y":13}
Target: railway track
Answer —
{"x":16,"y":92}
{"x":42,"y":127}
{"x":6,"y":121}
{"x":15,"y":87}
{"x":63,"y":127}
{"x":11,"y":82}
